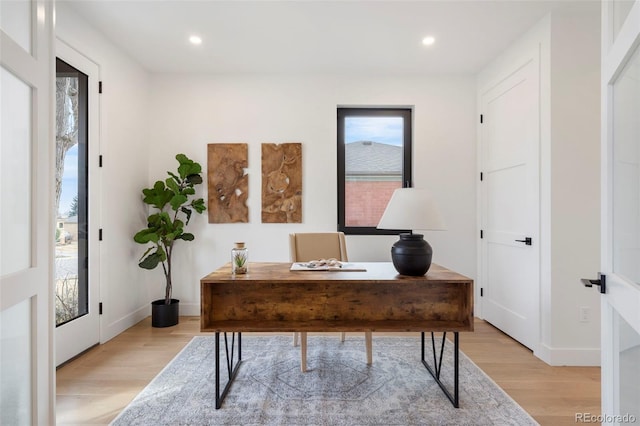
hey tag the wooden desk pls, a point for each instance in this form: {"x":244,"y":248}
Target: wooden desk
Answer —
{"x":270,"y":297}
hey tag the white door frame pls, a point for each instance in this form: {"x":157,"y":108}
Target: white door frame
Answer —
{"x":78,"y":335}
{"x":622,"y":297}
{"x":33,"y":285}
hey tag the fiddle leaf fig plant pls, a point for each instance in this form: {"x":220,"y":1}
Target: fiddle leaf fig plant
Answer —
{"x":174,"y":202}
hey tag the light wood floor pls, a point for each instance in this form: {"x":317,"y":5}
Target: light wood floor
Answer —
{"x":95,"y":387}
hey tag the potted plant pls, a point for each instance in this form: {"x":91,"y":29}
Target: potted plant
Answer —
{"x":173,"y":200}
{"x":239,"y":255}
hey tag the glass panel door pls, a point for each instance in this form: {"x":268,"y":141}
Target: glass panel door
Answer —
{"x":621,"y":9}
{"x":71,"y":262}
{"x":621,"y":215}
{"x":15,"y":21}
{"x":26,"y":236}
{"x":15,"y":174}
{"x":625,"y":256}
{"x":16,"y":246}
{"x":76,"y":192}
{"x":626,"y":172}
{"x":15,"y":369}
{"x":629,"y":381}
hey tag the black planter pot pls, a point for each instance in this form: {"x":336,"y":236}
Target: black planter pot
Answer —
{"x":411,"y":255}
{"x":164,"y":315}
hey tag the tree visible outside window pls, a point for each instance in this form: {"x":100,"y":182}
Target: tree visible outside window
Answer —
{"x":374,"y":158}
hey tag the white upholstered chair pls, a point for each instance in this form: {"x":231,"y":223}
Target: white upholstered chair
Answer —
{"x":315,"y":246}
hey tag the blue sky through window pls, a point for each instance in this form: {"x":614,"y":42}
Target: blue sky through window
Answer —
{"x":69,"y":180}
{"x":376,"y":129}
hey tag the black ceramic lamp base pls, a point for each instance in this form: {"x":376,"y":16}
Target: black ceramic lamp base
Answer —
{"x":411,"y":255}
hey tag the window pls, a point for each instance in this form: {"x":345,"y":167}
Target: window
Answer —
{"x":71,"y":192}
{"x":374,"y":158}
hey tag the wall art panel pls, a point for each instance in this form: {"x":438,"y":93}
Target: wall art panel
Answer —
{"x":228,"y":184}
{"x":282,"y":183}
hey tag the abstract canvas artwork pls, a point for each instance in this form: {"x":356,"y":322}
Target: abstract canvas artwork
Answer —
{"x":228,"y":184}
{"x":282,"y":183}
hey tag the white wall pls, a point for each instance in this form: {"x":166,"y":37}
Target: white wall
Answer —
{"x":575,"y":181}
{"x":188,"y":112}
{"x":569,"y":43}
{"x":124,"y":128}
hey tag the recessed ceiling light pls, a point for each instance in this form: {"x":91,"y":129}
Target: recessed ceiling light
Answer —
{"x":194,"y":39}
{"x":428,"y":41}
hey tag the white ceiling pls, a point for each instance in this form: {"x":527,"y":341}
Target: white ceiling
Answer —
{"x":313,"y":36}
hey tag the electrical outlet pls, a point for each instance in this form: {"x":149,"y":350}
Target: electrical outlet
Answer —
{"x":585,"y":314}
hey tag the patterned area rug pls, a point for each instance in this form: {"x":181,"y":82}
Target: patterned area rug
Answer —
{"x":338,"y":388}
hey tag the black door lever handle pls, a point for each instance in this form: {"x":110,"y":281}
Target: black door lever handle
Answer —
{"x":527,"y":241}
{"x":600,"y":282}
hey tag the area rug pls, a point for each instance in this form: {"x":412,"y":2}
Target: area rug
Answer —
{"x":339,"y":388}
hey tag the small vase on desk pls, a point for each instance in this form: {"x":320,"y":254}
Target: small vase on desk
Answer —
{"x":239,"y":259}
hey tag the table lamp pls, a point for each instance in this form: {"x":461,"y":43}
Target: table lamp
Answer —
{"x":411,"y":208}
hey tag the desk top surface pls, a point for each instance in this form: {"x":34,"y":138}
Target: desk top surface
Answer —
{"x":374,"y":272}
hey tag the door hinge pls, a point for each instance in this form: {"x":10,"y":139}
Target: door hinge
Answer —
{"x":99,"y":87}
{"x":100,"y":234}
{"x":481,"y":119}
{"x":481,"y":234}
{"x":481,"y":176}
{"x":99,"y":160}
{"x":100,"y":308}
{"x":481,"y":293}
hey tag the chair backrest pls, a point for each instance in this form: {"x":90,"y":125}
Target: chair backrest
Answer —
{"x":304,"y":247}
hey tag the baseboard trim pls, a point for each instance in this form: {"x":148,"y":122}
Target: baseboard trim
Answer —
{"x":572,"y":357}
{"x":111,"y":330}
{"x":189,"y":309}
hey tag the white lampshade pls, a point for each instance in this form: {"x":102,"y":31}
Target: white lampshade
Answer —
{"x":411,"y":208}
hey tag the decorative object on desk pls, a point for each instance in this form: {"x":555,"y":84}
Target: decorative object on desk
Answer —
{"x":239,"y":259}
{"x":326,"y":265}
{"x":228,"y":183}
{"x":174,"y":202}
{"x":332,"y":262}
{"x":338,"y":389}
{"x":282,"y":183}
{"x":411,"y":208}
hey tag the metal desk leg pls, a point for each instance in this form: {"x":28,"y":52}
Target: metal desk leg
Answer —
{"x":232,"y":370}
{"x":437,"y":365}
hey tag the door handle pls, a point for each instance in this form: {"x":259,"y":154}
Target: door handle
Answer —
{"x":527,"y":241}
{"x":600,"y":282}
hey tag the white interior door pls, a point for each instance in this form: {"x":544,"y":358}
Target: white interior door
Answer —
{"x":26,"y":220}
{"x":621,"y":212}
{"x":510,"y":204}
{"x":76,"y":283}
